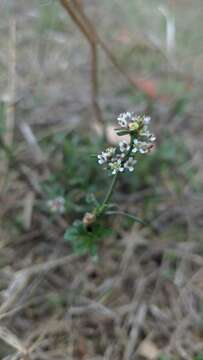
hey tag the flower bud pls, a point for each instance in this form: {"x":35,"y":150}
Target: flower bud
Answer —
{"x":89,"y":219}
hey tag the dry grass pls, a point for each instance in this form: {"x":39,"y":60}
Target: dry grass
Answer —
{"x":143,"y":297}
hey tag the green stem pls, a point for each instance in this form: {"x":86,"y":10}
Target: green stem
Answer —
{"x":107,"y":198}
{"x":130,"y":216}
{"x":108,"y":195}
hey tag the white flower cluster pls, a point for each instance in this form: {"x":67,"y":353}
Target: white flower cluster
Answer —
{"x":142,"y":141}
{"x":114,"y":159}
{"x":132,"y":122}
{"x":57,"y":205}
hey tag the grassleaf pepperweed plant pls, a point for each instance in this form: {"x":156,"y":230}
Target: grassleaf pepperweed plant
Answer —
{"x":116,"y":161}
{"x":122,"y":159}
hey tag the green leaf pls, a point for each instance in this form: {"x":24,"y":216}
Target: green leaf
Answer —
{"x":122,"y":132}
{"x":83,"y":240}
{"x":164,"y":357}
{"x":199,"y":356}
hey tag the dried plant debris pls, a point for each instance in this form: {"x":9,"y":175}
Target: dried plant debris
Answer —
{"x":139,"y":296}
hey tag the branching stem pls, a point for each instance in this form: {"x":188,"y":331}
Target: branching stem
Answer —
{"x":101,"y":209}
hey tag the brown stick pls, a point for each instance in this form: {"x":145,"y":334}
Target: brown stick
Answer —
{"x":67,"y":4}
{"x":75,"y":13}
{"x":94,"y":35}
{"x":94,"y":83}
{"x":94,"y":64}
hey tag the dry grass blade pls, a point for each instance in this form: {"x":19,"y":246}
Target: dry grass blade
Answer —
{"x":96,"y":309}
{"x":32,"y":142}
{"x":47,"y":266}
{"x":9,"y":98}
{"x":138,"y":320}
{"x":28,"y":210}
{"x":22,"y":278}
{"x":10,"y":113}
{"x":7,"y":336}
{"x":12,"y":293}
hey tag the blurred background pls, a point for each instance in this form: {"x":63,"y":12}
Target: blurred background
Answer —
{"x":67,"y":69}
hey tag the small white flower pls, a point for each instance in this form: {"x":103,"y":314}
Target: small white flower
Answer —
{"x":152,"y":138}
{"x":129,"y":116}
{"x":106,"y":155}
{"x":129,"y":164}
{"x":140,"y":146}
{"x":143,"y":150}
{"x":110,"y":152}
{"x":123,"y":123}
{"x":116,"y":166}
{"x":144,"y":131}
{"x":57,"y":205}
{"x":135,"y":146}
{"x":124,"y":146}
{"x":124,"y":119}
{"x":102,"y":159}
{"x":144,"y":147}
{"x":147,"y":120}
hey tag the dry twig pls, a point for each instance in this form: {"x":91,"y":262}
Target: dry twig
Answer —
{"x":9,"y":98}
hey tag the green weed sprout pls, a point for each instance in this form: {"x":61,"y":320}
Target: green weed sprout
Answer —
{"x":85,"y":234}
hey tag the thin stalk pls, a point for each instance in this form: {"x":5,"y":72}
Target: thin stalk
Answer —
{"x":107,"y":198}
{"x":108,"y":195}
{"x":130,"y":216}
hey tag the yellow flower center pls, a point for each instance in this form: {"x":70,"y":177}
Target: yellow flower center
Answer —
{"x":134,"y":126}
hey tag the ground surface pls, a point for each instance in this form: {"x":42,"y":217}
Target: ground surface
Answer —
{"x":141,"y":298}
